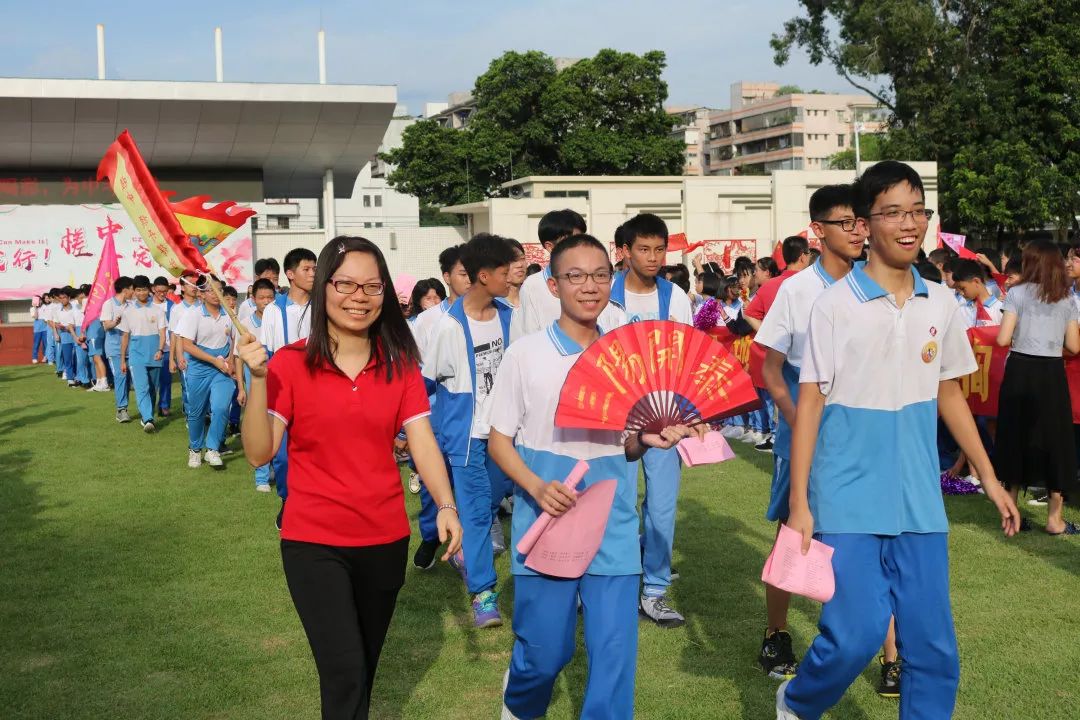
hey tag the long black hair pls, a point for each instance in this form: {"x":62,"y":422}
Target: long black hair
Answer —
{"x":420,"y":291}
{"x":392,"y":342}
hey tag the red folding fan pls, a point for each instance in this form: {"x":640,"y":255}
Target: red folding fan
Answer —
{"x":649,"y":375}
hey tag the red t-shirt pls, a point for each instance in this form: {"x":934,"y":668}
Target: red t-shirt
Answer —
{"x":765,"y":296}
{"x":344,"y":487}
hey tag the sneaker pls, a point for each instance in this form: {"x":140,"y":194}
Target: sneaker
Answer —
{"x":657,"y":610}
{"x":34,"y":361}
{"x":194,"y":459}
{"x":675,"y":575}
{"x":414,"y":483}
{"x":149,"y":427}
{"x":506,"y":506}
{"x":427,"y":554}
{"x":122,"y":416}
{"x":485,"y":610}
{"x":213,"y":458}
{"x":457,"y":561}
{"x":262,"y":487}
{"x":766,"y":445}
{"x":234,"y":429}
{"x":783,"y":712}
{"x":73,"y":384}
{"x":777,"y":658}
{"x":498,"y":539}
{"x":1038,"y":501}
{"x":226,"y":450}
{"x":731,"y":431}
{"x":62,"y":375}
{"x":753,"y":437}
{"x":889,"y":687}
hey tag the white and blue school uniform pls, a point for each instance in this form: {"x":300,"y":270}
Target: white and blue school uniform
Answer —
{"x":538,"y":308}
{"x":523,"y":407}
{"x":208,"y":387}
{"x":992,"y":310}
{"x":252,"y":325}
{"x":113,"y":309}
{"x":284,"y":322}
{"x":875,"y":491}
{"x":662,"y":468}
{"x":82,"y":353}
{"x":65,"y":317}
{"x":143,"y":322}
{"x":460,"y":362}
{"x":246,"y":309}
{"x":46,"y":314}
{"x":163,"y":400}
{"x":421,"y":329}
{"x":37,"y":347}
{"x":179,"y":310}
{"x":784,"y":330}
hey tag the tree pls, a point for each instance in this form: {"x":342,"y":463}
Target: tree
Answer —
{"x":990,"y":89}
{"x":870,"y":149}
{"x":600,"y":116}
{"x":789,"y":90}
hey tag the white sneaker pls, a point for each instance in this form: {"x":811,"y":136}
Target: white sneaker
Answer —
{"x":752,"y":437}
{"x":262,"y":488}
{"x":783,"y":712}
{"x":101,"y":386}
{"x":64,"y":377}
{"x":658,"y":610}
{"x":34,"y":361}
{"x":213,"y":458}
{"x":731,"y":431}
{"x":414,"y":483}
{"x":194,"y":459}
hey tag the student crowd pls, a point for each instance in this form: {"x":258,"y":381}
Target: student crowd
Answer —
{"x":342,"y":379}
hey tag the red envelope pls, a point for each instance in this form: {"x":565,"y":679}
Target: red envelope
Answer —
{"x":712,"y":449}
{"x":809,"y":575}
{"x":572,"y":540}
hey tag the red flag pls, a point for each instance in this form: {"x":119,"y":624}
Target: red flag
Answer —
{"x":1072,"y":374}
{"x":677,"y":242}
{"x":778,"y":256}
{"x":148,"y":208}
{"x":981,"y":388}
{"x":108,"y":270}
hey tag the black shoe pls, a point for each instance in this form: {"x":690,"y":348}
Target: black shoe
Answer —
{"x":277,"y":520}
{"x":425,"y":556}
{"x":777,"y":658}
{"x":765,"y":446}
{"x":889,"y":687}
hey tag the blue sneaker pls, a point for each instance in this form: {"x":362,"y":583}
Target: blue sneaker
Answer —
{"x":485,"y":610}
{"x":457,"y":561}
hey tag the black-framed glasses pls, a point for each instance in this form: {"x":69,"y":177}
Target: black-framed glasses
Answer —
{"x":576,"y":277}
{"x":348,"y":287}
{"x":895,"y":217}
{"x":847,"y":225}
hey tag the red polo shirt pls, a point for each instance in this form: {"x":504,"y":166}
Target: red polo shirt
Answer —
{"x":344,"y":487}
{"x":765,"y":296}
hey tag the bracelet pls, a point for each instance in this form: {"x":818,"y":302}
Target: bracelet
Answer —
{"x":446,"y":506}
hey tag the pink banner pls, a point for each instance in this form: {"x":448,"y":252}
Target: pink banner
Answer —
{"x":108,"y":270}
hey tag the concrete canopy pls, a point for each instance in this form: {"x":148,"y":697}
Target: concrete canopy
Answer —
{"x":291,"y":133}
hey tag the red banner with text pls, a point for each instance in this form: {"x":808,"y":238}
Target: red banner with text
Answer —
{"x":981,"y":387}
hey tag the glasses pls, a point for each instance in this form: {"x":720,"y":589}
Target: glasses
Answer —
{"x":845,"y":225}
{"x":894,"y":217}
{"x":348,"y":287}
{"x":576,"y":277}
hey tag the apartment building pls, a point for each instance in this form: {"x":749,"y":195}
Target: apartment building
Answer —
{"x":691,"y":125}
{"x":764,"y":131}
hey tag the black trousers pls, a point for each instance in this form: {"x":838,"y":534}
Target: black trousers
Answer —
{"x":345,"y":598}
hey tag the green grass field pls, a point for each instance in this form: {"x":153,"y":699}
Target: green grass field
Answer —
{"x":134,"y":587}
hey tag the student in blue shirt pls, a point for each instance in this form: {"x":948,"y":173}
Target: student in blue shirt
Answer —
{"x":142,"y":348}
{"x":64,"y":323}
{"x":262,"y":294}
{"x":112,"y":311}
{"x":82,"y":349}
{"x":163,"y":398}
{"x":460,"y":362}
{"x":537,"y":455}
{"x":37,"y":348}
{"x":46,"y":313}
{"x":884,"y":354}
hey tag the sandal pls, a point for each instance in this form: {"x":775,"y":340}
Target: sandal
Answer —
{"x":1071,"y":528}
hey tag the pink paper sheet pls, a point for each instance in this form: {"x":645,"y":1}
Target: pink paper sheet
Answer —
{"x":572,"y":540}
{"x":533,"y":534}
{"x":712,"y":449}
{"x":809,"y":575}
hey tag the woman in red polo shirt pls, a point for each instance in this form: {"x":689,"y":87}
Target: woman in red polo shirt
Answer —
{"x":343,"y":394}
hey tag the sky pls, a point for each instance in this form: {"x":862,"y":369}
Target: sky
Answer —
{"x":427,"y":48}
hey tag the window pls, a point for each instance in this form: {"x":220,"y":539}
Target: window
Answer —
{"x":378,"y":201}
{"x":378,"y":224}
{"x":367,"y":225}
{"x":566,"y":193}
{"x":840,"y":141}
{"x":282,"y":222}
{"x":367,"y":201}
{"x":254,"y":223}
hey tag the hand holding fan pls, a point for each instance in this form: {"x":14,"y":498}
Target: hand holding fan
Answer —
{"x":651,"y":375}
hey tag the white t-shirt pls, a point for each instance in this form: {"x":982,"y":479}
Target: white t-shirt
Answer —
{"x":425,"y":322}
{"x":202,"y":329}
{"x":272,"y":334}
{"x":179,"y":310}
{"x":246,"y":309}
{"x":646,"y":306}
{"x":65,"y":317}
{"x":488,"y":350}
